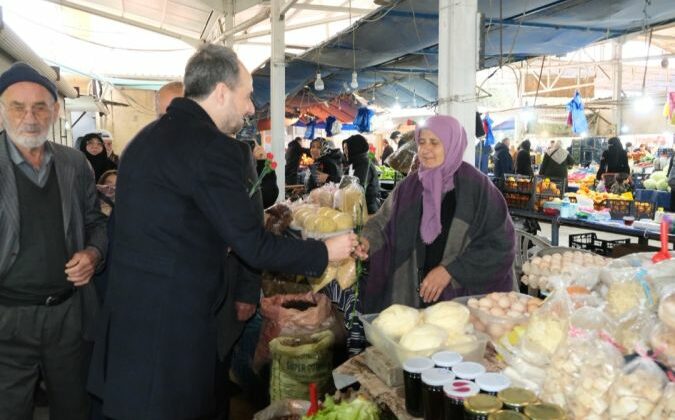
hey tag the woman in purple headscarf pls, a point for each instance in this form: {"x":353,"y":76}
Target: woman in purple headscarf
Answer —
{"x":444,"y":232}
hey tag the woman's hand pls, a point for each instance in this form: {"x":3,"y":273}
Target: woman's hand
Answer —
{"x":361,"y":251}
{"x":434,"y":284}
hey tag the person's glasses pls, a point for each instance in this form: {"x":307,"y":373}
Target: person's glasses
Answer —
{"x":19,"y":111}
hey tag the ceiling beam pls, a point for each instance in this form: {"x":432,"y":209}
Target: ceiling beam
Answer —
{"x":264,"y":14}
{"x":337,"y":9}
{"x":291,"y":27}
{"x":122,"y":19}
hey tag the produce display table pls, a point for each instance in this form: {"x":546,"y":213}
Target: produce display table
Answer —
{"x":661,"y":198}
{"x":613,"y":226}
{"x":393,"y":397}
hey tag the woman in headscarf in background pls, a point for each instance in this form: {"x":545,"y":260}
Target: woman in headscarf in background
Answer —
{"x":556,"y":160}
{"x":356,"y":151}
{"x":614,"y":160}
{"x":444,"y":232}
{"x":327,"y":166}
{"x":93,"y":148}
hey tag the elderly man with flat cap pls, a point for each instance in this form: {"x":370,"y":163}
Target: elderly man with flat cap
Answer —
{"x":52,"y":237}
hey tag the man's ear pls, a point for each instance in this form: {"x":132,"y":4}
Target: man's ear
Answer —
{"x":222,"y":93}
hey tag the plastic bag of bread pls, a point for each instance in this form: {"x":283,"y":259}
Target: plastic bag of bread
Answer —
{"x":328,"y":275}
{"x":633,"y":332}
{"x":627,"y":290}
{"x":547,"y":327}
{"x":667,"y":306}
{"x":637,"y":390}
{"x":581,"y":373}
{"x":346,"y":273}
{"x":323,"y":196}
{"x":665,"y":409}
{"x":351,"y":199}
{"x":662,"y":342}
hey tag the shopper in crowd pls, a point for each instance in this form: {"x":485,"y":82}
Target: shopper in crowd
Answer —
{"x":483,"y":152}
{"x":157,"y":352}
{"x":93,"y":148}
{"x":556,"y":161}
{"x":106,"y":191}
{"x":502,"y":159}
{"x":356,"y":150}
{"x":52,"y":237}
{"x":108,"y":143}
{"x":614,"y":159}
{"x":294,"y":153}
{"x":388,"y":149}
{"x":166,"y":94}
{"x":444,"y":232}
{"x":663,"y":161}
{"x":620,"y":184}
{"x":523,"y":160}
{"x":327,"y":166}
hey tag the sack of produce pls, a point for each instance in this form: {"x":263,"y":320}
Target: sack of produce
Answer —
{"x":627,"y":290}
{"x":283,"y":410}
{"x":298,"y":361}
{"x":547,"y":328}
{"x":633,"y":332}
{"x":667,"y":306}
{"x":581,"y":373}
{"x":291,"y":315}
{"x":665,"y":409}
{"x":636,"y":390}
{"x":402,"y":158}
{"x":574,"y":267}
{"x":278,"y":218}
{"x":323,"y":196}
{"x":498,"y":312}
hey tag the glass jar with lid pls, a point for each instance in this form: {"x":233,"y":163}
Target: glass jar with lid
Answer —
{"x":433,"y":381}
{"x":412,"y":383}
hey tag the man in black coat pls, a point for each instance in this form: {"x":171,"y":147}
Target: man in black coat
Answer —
{"x":180,"y":203}
{"x":503,"y":159}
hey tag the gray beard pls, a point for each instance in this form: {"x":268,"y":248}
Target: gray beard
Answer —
{"x":28,"y":142}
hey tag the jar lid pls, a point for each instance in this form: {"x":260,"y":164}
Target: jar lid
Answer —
{"x":544,"y":411}
{"x":493,"y":382}
{"x":461,"y":389}
{"x":446,"y":359}
{"x":437,"y":376}
{"x":468,"y":370}
{"x":482,"y":404}
{"x":517,"y":397}
{"x":417,"y":364}
{"x":507,"y":415}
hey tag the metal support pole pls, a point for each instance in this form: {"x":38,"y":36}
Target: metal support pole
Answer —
{"x":278,"y":94}
{"x":617,"y":82}
{"x":457,"y":61}
{"x":229,"y":22}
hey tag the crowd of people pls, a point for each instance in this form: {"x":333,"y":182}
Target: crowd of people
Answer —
{"x":133,"y":315}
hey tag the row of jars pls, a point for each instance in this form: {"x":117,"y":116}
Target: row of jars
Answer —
{"x":444,"y":387}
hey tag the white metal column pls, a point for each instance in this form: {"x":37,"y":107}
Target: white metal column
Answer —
{"x":228,"y":7}
{"x":457,"y":63}
{"x":278,"y":94}
{"x":617,"y":82}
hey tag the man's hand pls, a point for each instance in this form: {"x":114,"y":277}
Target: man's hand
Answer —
{"x":258,"y":152}
{"x":434,"y":284}
{"x":361,"y":251}
{"x":341,"y":247}
{"x":81,"y":266}
{"x":244,"y":310}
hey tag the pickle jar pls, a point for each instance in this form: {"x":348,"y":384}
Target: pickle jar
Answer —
{"x":507,"y":415}
{"x":516,"y":399}
{"x":480,"y":406}
{"x":544,"y":411}
{"x":491,"y":383}
{"x":456,"y":393}
{"x":412,"y":383}
{"x":433,"y":381}
{"x":468,"y":370}
{"x":446,"y":359}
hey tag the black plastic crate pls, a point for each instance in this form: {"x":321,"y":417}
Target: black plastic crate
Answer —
{"x":619,"y":208}
{"x":591,"y":242}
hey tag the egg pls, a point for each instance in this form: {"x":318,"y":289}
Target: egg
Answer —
{"x":497,"y":311}
{"x":546,"y":258}
{"x":536,"y":260}
{"x":473,"y":303}
{"x":495,"y":330}
{"x":485,"y":303}
{"x":514,"y":314}
{"x":494,"y":296}
{"x":504,"y":302}
{"x":518,"y":307}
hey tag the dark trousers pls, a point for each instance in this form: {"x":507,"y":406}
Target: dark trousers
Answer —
{"x":46,"y":339}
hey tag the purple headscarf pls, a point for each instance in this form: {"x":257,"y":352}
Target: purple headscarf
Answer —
{"x":439,"y":180}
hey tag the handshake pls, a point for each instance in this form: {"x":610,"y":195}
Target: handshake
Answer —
{"x":347,"y":245}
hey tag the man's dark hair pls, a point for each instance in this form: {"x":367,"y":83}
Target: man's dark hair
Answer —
{"x":210,"y":65}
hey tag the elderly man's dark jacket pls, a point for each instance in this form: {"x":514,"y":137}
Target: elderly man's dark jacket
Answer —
{"x":180,"y":202}
{"x":83,"y":221}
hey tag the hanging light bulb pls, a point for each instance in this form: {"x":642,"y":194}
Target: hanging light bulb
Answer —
{"x":318,"y":83}
{"x":355,"y":82}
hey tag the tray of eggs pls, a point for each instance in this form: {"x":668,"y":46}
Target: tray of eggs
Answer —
{"x":498,"y":313}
